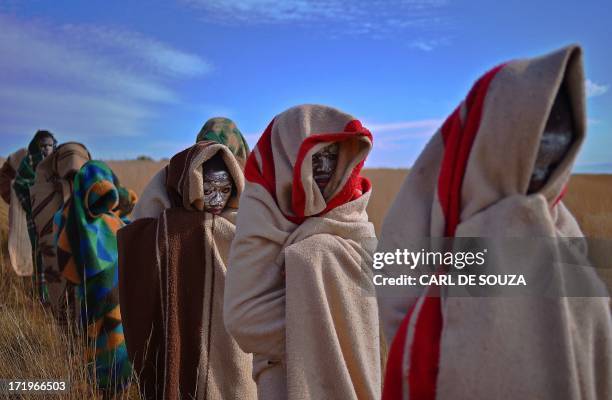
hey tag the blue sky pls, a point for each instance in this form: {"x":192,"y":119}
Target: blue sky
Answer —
{"x":141,"y":77}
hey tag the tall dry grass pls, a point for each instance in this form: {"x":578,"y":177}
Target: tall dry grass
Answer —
{"x":32,"y":344}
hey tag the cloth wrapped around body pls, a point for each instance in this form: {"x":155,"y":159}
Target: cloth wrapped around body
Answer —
{"x":19,"y":246}
{"x":297,"y":294}
{"x":51,"y":190}
{"x":86,"y":254}
{"x":472,"y":180}
{"x":173,"y":262}
{"x":24,"y":179}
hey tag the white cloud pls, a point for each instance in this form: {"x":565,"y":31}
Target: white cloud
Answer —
{"x":84,"y":79}
{"x":357,"y":17}
{"x":391,"y":136}
{"x":153,"y":53}
{"x":593,"y":89}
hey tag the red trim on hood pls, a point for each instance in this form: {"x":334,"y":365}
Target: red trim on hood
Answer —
{"x":355,"y":186}
{"x":266,"y":177}
{"x":458,"y":141}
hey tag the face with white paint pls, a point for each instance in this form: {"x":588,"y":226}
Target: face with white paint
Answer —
{"x":218,"y":187}
{"x":556,"y":140}
{"x":324,"y":163}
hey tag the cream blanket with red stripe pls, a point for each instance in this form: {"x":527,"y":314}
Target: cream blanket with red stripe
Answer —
{"x":298,"y":294}
{"x":471,"y":181}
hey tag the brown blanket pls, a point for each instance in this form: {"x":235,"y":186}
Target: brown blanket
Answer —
{"x":471,"y":181}
{"x":171,"y":276}
{"x":51,"y":190}
{"x":296,"y":287}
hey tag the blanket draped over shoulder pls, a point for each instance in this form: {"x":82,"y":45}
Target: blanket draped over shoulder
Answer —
{"x":472,"y":181}
{"x":26,"y":173}
{"x":172,"y":266}
{"x":87,"y":256}
{"x":51,"y":190}
{"x":19,"y":246}
{"x":296,"y":292}
{"x":8,"y":173}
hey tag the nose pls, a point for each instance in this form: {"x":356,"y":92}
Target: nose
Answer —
{"x":217,"y":198}
{"x":326,"y":164}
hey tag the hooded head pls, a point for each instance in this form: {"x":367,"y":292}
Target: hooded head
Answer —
{"x":224,"y":131}
{"x":41,"y":146}
{"x":282,"y":161}
{"x":518,"y":132}
{"x":196,"y":177}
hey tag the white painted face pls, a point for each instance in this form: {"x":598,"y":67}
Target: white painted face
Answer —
{"x":218,"y":186}
{"x":45,"y":144}
{"x":324,"y":163}
{"x":555,"y":142}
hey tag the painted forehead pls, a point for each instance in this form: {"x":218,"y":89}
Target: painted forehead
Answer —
{"x":330,"y":149}
{"x":219,"y":176}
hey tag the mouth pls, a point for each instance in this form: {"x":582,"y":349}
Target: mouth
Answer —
{"x":215,"y":210}
{"x":321,"y":181}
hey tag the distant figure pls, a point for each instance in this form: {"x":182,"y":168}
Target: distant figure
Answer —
{"x":172,"y":266}
{"x":498,"y":168}
{"x":52,"y":189}
{"x":41,"y":146}
{"x":297,"y":294}
{"x":19,"y":246}
{"x":87,"y":256}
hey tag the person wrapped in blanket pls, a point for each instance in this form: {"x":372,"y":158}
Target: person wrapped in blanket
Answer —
{"x":41,"y":146}
{"x":86,"y":250}
{"x":172,"y":267}
{"x":297,"y":294}
{"x":19,"y":246}
{"x":51,"y":190}
{"x":498,"y":169}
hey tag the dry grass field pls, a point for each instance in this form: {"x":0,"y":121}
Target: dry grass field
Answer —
{"x":32,"y":346}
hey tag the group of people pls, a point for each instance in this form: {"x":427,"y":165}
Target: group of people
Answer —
{"x":64,"y":212}
{"x":241,"y":274}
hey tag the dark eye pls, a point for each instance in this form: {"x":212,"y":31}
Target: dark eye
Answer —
{"x":227,"y":190}
{"x":207,"y":192}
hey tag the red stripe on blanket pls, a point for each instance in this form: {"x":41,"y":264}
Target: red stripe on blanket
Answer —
{"x":265,"y":176}
{"x":458,"y":140}
{"x":392,"y":388}
{"x":560,"y":197}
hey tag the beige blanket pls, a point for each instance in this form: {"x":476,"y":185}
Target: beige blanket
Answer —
{"x":172,"y":266}
{"x":19,"y":246}
{"x":502,"y":348}
{"x":296,"y":290}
